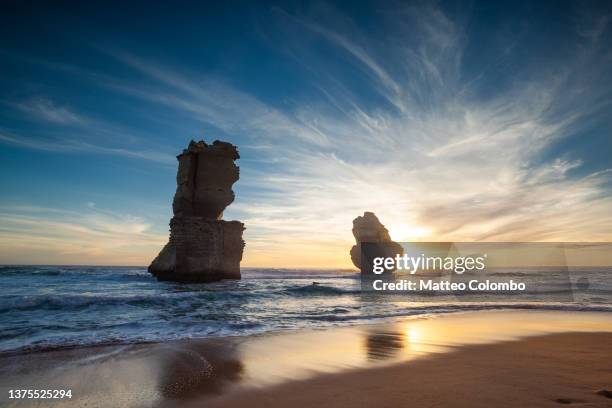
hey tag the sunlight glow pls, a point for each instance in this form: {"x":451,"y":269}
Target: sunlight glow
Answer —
{"x":404,"y":233}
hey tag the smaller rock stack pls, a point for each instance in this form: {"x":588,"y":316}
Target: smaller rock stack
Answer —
{"x":202,"y":247}
{"x":369,"y":229}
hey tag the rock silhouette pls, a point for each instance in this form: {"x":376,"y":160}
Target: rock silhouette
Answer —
{"x":369,"y":229}
{"x":202,"y":247}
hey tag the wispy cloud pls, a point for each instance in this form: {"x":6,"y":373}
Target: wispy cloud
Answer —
{"x":66,"y":145}
{"x":211,"y":101}
{"x":76,"y":132}
{"x":89,"y":236}
{"x":44,"y":109}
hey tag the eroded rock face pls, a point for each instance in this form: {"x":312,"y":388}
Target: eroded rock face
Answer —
{"x":204,"y":180}
{"x":202,"y":247}
{"x":369,"y":229}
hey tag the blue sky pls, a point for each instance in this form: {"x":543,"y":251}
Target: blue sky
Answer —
{"x":450,"y":120}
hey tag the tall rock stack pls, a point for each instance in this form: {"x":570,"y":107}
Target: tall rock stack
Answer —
{"x":369,"y":229}
{"x":202,"y":247}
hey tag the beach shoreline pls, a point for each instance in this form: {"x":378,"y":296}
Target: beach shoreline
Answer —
{"x":258,"y":369}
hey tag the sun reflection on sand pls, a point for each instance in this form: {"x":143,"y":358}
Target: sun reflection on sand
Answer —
{"x":413,"y":339}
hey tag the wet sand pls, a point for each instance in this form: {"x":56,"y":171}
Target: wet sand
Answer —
{"x":545,"y":371}
{"x":505,"y":358}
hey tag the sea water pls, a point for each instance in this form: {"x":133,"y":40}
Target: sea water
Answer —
{"x":47,"y":307}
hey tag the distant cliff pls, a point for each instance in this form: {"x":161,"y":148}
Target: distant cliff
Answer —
{"x":202,"y":247}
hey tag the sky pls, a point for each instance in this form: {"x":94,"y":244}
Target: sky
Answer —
{"x":452,"y":121}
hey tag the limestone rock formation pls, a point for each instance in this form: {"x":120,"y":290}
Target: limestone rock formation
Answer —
{"x":202,"y":247}
{"x":204,"y":180}
{"x":369,"y":229}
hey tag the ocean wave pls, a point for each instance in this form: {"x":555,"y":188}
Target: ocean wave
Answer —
{"x":447,"y":309}
{"x":301,"y":274}
{"x":516,"y":274}
{"x":71,"y":302}
{"x":70,"y":273}
{"x":319,"y":290}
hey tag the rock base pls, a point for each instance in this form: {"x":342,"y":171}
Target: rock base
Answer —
{"x":200,"y":250}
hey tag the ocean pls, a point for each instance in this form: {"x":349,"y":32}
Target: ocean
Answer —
{"x":49,"y":307}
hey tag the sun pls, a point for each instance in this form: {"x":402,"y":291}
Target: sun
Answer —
{"x":403,"y":232}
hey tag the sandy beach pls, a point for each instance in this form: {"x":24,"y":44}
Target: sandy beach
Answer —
{"x":504,"y":358}
{"x":543,"y":371}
